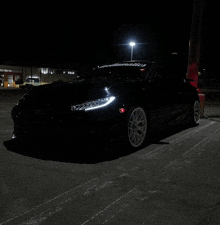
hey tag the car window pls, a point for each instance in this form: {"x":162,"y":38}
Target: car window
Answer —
{"x":167,"y":72}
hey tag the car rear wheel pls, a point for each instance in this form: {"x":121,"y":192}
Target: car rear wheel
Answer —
{"x":137,"y":127}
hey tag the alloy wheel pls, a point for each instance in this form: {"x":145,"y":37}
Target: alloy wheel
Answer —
{"x":137,"y":127}
{"x":196,"y":112}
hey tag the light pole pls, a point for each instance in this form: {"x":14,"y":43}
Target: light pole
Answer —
{"x":132,"y":44}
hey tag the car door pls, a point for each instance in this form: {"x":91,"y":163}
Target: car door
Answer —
{"x":175,"y":93}
{"x":163,"y":97}
{"x":165,"y":94}
{"x":156,"y":99}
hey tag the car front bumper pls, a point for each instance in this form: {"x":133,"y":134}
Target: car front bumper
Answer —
{"x":79,"y":124}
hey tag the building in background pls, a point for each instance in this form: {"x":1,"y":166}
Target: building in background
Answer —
{"x":16,"y":76}
{"x":9,"y":75}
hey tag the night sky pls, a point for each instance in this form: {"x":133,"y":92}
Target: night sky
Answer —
{"x":99,"y":32}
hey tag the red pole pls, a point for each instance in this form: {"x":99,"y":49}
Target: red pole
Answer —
{"x":194,"y":48}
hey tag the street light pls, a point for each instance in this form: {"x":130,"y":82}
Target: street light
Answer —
{"x":132,"y":44}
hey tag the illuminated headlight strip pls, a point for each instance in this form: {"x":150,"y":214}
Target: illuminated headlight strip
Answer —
{"x":123,"y":64}
{"x":99,"y":103}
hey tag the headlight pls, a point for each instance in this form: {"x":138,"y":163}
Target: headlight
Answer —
{"x":99,"y":103}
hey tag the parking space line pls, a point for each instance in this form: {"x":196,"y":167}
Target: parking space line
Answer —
{"x":193,"y":132}
{"x":156,"y":151}
{"x":41,"y":212}
{"x":187,"y":157}
{"x":109,"y":212}
{"x":44,"y":210}
{"x":204,"y":141}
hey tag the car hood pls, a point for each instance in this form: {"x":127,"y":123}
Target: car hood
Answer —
{"x":72,"y":92}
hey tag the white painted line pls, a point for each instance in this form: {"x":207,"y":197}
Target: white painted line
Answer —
{"x":204,"y":141}
{"x":44,"y":210}
{"x":109,"y":212}
{"x":193,"y":132}
{"x":95,"y":188}
{"x":156,"y":151}
{"x":197,"y":148}
{"x":41,"y":212}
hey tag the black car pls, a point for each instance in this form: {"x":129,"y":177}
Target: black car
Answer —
{"x":26,"y":86}
{"x":127,"y":98}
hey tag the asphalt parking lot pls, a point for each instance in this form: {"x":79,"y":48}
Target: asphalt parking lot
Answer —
{"x":173,"y":180}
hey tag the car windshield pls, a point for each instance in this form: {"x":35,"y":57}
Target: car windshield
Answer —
{"x":134,"y":71}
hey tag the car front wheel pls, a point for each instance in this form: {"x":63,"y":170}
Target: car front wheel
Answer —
{"x":137,"y":127}
{"x":195,"y":114}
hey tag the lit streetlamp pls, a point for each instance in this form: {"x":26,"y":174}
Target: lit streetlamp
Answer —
{"x":132,"y":44}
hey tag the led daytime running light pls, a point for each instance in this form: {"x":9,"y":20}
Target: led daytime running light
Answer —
{"x":99,"y":103}
{"x":123,"y":64}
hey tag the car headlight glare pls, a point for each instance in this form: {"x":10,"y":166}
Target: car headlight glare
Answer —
{"x":99,"y":103}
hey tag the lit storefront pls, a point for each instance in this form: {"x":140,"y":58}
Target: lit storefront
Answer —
{"x":15,"y":76}
{"x":10,"y":75}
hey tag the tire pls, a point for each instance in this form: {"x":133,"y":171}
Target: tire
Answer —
{"x":194,"y":117}
{"x":137,"y":127}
